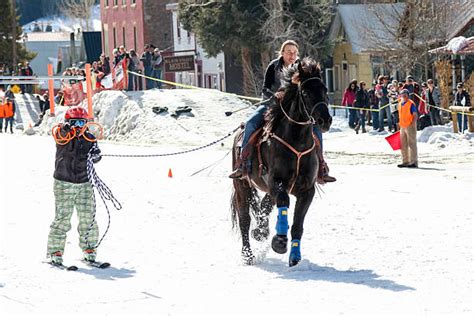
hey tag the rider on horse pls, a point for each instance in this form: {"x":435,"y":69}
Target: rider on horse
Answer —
{"x":288,"y":55}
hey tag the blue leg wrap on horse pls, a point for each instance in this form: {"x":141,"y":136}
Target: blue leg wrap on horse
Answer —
{"x":282,"y":221}
{"x":295,"y":253}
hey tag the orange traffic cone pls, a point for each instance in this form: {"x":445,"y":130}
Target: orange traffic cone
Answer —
{"x":170,"y":173}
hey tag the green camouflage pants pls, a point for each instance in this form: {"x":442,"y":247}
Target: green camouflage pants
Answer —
{"x":67,"y":196}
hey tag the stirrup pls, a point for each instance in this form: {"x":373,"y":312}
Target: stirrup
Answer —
{"x":237,"y":173}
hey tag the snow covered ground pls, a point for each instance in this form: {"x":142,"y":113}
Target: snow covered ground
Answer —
{"x":380,"y":240}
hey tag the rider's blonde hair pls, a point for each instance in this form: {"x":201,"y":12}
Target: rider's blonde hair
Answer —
{"x":286,"y":43}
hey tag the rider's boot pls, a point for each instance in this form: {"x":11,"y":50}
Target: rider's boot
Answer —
{"x":323,"y":172}
{"x":242,"y":165}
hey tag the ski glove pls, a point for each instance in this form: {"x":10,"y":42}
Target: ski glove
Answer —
{"x":96,"y":154}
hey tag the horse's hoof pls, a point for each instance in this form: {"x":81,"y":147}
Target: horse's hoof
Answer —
{"x":247,"y":256}
{"x":260,"y":234}
{"x":279,"y":244}
{"x":295,"y":253}
{"x":249,"y":260}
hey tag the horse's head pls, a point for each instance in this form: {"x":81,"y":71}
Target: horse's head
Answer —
{"x":311,"y":93}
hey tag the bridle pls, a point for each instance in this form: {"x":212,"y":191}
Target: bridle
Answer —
{"x":301,"y":99}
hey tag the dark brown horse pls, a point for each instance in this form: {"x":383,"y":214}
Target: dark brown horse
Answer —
{"x":284,"y":162}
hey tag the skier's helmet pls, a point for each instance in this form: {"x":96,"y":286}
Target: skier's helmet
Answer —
{"x":76,"y":112}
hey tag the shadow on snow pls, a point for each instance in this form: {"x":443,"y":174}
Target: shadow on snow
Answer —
{"x":111,"y":273}
{"x":307,"y":271}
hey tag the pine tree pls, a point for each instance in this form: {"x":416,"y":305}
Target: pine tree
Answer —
{"x":6,"y":34}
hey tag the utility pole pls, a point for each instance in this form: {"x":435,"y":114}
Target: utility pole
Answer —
{"x":14,"y":57}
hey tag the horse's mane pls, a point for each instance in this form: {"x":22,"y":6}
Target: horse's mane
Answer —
{"x":305,"y":69}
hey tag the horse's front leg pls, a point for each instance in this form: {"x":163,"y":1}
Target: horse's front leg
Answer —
{"x":280,"y":240}
{"x":303,"y":201}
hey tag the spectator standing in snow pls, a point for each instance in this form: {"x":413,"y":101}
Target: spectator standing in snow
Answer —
{"x":433,"y":98}
{"x":134,"y":81}
{"x":384,"y":107}
{"x":408,"y":116}
{"x":2,"y":115}
{"x":147,"y":66}
{"x":157,"y":63}
{"x":361,"y":101}
{"x":374,"y":105}
{"x":9,"y":109}
{"x":348,"y":99}
{"x":462,"y":98}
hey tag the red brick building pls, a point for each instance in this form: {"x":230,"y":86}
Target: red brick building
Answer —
{"x":134,"y":23}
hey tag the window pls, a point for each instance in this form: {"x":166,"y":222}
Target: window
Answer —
{"x":330,"y":79}
{"x":124,"y":3}
{"x":337,"y":78}
{"x":115,"y":38}
{"x":115,"y":3}
{"x":135,"y":38}
{"x":106,"y":3}
{"x":123,"y":36}
{"x":134,"y":1}
{"x":106,"y":39}
{"x":352,"y":71}
{"x":178,"y":28}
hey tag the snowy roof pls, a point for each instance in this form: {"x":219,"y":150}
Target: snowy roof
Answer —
{"x":48,"y":36}
{"x":363,"y":25}
{"x":464,"y":15}
{"x":60,"y":23}
{"x":466,"y":49}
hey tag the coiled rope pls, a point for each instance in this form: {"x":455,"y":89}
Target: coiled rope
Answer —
{"x":105,"y":194}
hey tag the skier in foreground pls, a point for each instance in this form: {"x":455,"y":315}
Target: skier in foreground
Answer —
{"x":72,"y":188}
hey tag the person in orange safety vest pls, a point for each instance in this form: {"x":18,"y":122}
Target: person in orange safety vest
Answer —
{"x":408,"y":116}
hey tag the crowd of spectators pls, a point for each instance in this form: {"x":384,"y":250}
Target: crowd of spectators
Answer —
{"x":378,"y":106}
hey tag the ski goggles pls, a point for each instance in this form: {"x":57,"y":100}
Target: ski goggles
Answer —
{"x":77,"y":122}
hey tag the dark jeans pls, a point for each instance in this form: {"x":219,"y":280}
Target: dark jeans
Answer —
{"x":361,"y":118}
{"x":352,"y":118}
{"x":157,"y":74}
{"x":396,"y":120}
{"x":385,"y":112}
{"x":150,"y":84}
{"x":253,"y":123}
{"x":134,"y":82}
{"x":375,"y":120}
{"x":434,"y":116}
{"x":319,"y":135}
{"x":9,"y":120}
{"x":462,"y":125}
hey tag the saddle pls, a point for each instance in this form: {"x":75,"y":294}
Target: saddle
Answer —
{"x":252,"y":148}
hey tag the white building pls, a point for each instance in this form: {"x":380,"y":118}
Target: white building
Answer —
{"x":209,"y":71}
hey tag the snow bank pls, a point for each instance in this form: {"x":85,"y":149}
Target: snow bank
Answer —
{"x":443,"y":136}
{"x":128,"y":117}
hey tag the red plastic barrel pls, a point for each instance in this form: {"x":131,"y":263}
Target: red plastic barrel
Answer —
{"x":394,"y":140}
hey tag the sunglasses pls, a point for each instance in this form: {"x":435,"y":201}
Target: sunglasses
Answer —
{"x":77,"y":122}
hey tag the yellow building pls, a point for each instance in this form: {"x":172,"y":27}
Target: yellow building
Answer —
{"x":360,"y":37}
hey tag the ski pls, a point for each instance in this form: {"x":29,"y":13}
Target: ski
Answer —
{"x":62,"y":266}
{"x":97,"y":264}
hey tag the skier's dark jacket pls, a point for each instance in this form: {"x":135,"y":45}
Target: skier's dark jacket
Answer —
{"x":71,"y":159}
